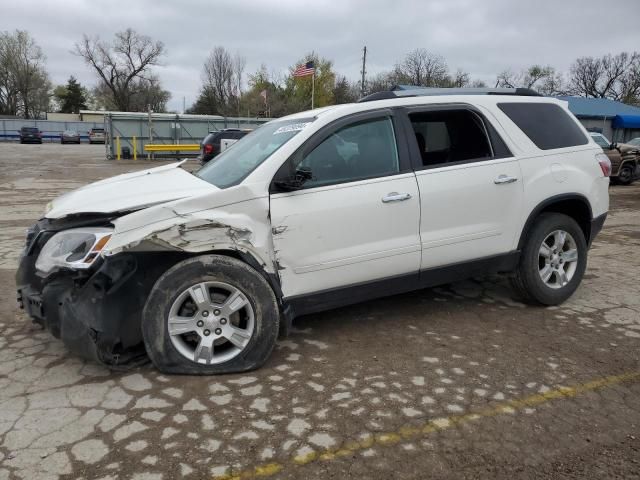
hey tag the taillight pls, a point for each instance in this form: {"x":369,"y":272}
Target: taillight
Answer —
{"x":208,"y":148}
{"x":605,"y":163}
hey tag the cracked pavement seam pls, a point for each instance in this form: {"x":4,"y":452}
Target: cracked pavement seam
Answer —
{"x":407,"y":433}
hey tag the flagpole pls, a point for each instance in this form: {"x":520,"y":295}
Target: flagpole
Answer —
{"x":313,"y":87}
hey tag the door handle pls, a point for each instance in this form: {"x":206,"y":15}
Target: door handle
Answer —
{"x":502,"y":179}
{"x":395,"y":197}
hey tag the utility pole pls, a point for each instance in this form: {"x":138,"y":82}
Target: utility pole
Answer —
{"x":364,"y":70}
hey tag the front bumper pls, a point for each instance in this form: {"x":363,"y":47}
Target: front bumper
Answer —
{"x":96,"y":313}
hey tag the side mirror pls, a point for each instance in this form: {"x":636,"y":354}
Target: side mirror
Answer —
{"x":613,"y":146}
{"x":296,"y":183}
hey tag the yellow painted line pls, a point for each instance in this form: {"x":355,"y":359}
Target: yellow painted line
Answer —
{"x":439,"y":424}
{"x":183,"y":147}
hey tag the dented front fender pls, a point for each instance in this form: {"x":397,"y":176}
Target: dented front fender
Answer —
{"x":243,"y":226}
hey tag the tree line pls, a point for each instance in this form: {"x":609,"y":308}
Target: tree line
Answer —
{"x":124,"y":70}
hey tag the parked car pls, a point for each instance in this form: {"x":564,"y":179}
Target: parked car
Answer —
{"x":624,"y":157}
{"x":601,"y":140}
{"x":211,"y":145}
{"x":30,"y":135}
{"x":634,"y":141}
{"x":70,"y":136}
{"x":97,"y":135}
{"x":204,"y":270}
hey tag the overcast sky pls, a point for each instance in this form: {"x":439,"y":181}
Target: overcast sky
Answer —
{"x":480,"y":37}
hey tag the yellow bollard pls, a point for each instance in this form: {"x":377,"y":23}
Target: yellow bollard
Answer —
{"x":135,"y":149}
{"x":118,"y":147}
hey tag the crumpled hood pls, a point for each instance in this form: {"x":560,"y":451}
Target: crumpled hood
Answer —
{"x":130,"y":191}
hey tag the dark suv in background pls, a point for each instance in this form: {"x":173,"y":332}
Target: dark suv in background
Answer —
{"x":210,"y":146}
{"x":30,"y":135}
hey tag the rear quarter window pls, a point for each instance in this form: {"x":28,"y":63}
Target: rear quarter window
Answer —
{"x":546,"y":124}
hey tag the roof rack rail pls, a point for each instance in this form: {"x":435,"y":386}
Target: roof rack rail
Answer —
{"x":400,"y":91}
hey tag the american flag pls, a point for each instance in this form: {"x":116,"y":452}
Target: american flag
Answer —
{"x":304,"y":70}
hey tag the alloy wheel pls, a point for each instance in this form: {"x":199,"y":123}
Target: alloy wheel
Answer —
{"x":211,"y":322}
{"x":557,"y":259}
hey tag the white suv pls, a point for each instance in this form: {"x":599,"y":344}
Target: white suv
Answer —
{"x":401,"y":191}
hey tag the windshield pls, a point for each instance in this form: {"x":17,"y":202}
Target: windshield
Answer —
{"x":601,"y":140}
{"x":635,"y":142}
{"x":236,"y":163}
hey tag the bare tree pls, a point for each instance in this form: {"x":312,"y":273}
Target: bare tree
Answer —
{"x":122,"y":65}
{"x":420,"y":67}
{"x":218,"y":78}
{"x":544,"y":79}
{"x":239,"y":64}
{"x":611,"y":76}
{"x":25,"y":88}
{"x":460,"y":79}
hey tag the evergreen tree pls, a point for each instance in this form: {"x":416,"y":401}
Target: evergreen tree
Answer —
{"x":71,"y":97}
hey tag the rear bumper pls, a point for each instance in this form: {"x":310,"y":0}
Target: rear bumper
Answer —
{"x":596,"y":226}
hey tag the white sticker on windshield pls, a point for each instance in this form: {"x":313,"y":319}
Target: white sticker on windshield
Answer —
{"x":294,"y":127}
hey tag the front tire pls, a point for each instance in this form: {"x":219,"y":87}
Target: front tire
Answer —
{"x":209,"y":315}
{"x":553,"y":260}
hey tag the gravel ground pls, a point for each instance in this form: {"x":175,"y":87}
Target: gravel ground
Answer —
{"x":460,"y":381}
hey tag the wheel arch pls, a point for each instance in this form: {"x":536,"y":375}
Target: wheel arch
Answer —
{"x":246,"y":257}
{"x":633,"y":162}
{"x":574,"y":205}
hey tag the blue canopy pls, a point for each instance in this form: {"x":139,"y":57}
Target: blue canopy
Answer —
{"x":626,"y":121}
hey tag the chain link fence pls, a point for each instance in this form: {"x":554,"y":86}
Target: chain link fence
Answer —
{"x":133,"y":132}
{"x":51,"y":129}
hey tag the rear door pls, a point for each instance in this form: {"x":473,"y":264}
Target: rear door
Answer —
{"x":470,"y":185}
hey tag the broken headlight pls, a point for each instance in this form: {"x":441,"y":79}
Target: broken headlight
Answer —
{"x":77,"y":248}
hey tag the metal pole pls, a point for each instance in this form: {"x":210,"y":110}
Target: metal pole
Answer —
{"x":135,"y":148}
{"x":313,"y":87}
{"x":110,"y":146}
{"x":150,"y":132}
{"x":363,"y":71}
{"x":118,"y":147}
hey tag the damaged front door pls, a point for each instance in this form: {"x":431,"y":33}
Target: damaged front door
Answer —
{"x":356,"y":219}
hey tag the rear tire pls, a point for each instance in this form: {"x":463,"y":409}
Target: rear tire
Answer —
{"x":553,"y":260}
{"x":185,"y":350}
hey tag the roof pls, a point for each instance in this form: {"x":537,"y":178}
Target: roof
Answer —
{"x":598,"y":107}
{"x":418,"y":91}
{"x":327,"y":114}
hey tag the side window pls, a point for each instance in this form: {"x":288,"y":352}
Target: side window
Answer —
{"x":362,"y":150}
{"x":450,"y":136}
{"x":547,"y":125}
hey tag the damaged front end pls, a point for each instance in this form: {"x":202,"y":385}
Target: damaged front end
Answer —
{"x":95,"y":311}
